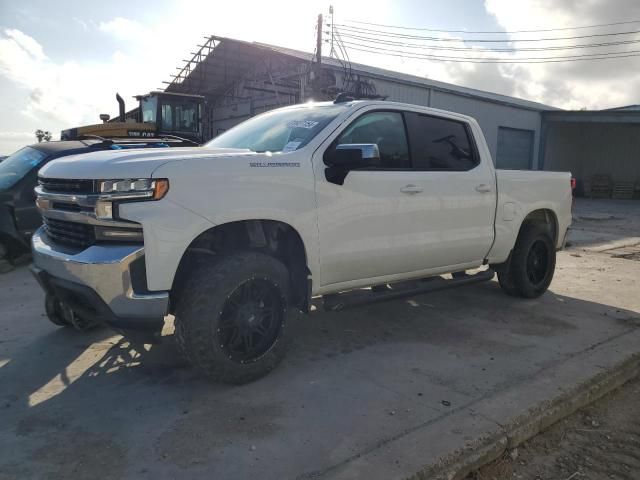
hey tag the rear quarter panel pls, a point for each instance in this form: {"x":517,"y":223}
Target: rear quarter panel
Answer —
{"x":521,"y":192}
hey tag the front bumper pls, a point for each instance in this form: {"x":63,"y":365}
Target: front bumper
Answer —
{"x":102,"y":281}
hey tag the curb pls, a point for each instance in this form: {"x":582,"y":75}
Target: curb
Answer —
{"x":459,"y":464}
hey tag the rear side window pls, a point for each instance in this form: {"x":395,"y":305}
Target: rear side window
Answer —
{"x":385,"y":129}
{"x":440,"y":144}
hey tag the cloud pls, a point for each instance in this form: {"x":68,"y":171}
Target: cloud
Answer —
{"x":65,"y":94}
{"x":123,"y":28}
{"x":592,"y":84}
{"x":16,"y":135}
{"x":25,"y":43}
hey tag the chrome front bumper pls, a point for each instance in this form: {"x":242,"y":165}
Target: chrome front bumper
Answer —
{"x":105,"y":270}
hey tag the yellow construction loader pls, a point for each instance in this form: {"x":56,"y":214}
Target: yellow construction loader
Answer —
{"x":158,"y":115}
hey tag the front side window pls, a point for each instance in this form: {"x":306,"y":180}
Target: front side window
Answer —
{"x":385,"y":129}
{"x":439,"y":143}
{"x":16,"y":166}
{"x":284,"y":130}
{"x":180,"y":116}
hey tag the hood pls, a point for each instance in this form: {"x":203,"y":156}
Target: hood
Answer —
{"x":134,"y":163}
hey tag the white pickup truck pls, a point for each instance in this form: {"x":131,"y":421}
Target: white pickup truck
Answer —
{"x":235,"y":237}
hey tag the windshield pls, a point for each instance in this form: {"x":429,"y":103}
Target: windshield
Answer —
{"x":179,"y":115}
{"x":279,"y":130}
{"x":16,"y":166}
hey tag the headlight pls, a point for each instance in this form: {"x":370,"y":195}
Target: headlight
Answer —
{"x":141,"y":188}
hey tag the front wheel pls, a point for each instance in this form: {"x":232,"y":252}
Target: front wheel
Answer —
{"x":5,"y":265}
{"x":531,"y":265}
{"x":60,"y":314}
{"x":232,"y":321}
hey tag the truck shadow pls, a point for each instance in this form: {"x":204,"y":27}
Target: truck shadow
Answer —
{"x":65,"y":384}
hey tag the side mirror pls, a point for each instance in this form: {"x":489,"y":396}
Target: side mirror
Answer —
{"x":351,"y":156}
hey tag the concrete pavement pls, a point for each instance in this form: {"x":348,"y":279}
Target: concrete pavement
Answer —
{"x":382,"y":391}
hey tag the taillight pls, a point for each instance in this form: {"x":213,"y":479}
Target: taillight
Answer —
{"x":573,"y":183}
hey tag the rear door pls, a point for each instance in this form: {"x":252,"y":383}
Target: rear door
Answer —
{"x":454,"y":208}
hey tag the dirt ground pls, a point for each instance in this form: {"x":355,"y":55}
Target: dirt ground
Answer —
{"x":601,"y":441}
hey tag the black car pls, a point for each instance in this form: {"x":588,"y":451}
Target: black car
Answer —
{"x":19,"y":216}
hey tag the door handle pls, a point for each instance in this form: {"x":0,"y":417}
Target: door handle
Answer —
{"x":411,"y":189}
{"x":483,"y":188}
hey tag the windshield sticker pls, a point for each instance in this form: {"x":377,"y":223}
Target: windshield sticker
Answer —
{"x":291,"y":147}
{"x":302,"y":124}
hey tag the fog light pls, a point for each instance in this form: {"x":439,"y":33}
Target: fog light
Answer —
{"x":104,"y":210}
{"x":119,"y":234}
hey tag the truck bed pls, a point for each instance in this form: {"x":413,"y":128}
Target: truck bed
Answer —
{"x":521,"y":192}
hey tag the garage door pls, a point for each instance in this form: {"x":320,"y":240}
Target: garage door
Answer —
{"x":515,"y":149}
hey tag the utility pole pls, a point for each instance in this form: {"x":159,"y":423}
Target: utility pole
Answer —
{"x":319,"y":43}
{"x":331,"y":13}
{"x":317,"y":72}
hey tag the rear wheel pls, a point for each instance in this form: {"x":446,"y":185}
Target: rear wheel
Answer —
{"x":532,"y":264}
{"x":505,"y":279}
{"x":232,"y":321}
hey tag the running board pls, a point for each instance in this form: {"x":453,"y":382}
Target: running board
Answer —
{"x":340,"y":301}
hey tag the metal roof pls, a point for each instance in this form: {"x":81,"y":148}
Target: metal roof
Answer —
{"x":593,"y":116}
{"x":226,"y":60}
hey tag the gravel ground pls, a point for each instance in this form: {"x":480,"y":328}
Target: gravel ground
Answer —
{"x":601,"y":441}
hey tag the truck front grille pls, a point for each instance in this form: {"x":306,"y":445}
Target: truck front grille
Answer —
{"x":64,"y":185}
{"x":71,"y":234}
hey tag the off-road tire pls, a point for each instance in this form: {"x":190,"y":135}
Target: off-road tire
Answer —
{"x":53,"y":308}
{"x":520,"y":265}
{"x":505,"y":279}
{"x":199,"y":312}
{"x":5,"y":265}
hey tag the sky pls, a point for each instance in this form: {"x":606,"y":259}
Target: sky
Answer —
{"x":61,"y":64}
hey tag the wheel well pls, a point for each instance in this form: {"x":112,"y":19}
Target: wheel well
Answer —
{"x":271,"y":237}
{"x":544,"y":219}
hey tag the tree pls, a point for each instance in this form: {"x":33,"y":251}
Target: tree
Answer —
{"x":43,"y":135}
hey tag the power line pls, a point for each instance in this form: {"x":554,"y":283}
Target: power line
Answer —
{"x":359,"y":30}
{"x":488,"y":49}
{"x":533,"y":60}
{"x":495,"y":31}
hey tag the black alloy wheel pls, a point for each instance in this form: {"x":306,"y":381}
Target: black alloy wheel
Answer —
{"x":251,"y":320}
{"x":538,"y":262}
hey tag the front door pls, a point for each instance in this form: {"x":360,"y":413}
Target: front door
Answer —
{"x":359,"y":220}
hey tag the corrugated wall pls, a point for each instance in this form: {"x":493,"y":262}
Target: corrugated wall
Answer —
{"x":587,"y":149}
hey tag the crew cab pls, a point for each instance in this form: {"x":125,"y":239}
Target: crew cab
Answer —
{"x":233,"y":238}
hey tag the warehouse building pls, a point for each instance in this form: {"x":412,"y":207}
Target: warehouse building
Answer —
{"x":600,"y":148}
{"x":241,"y":79}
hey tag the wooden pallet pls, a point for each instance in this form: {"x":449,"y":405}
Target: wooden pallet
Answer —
{"x":623,"y":190}
{"x":600,"y":186}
